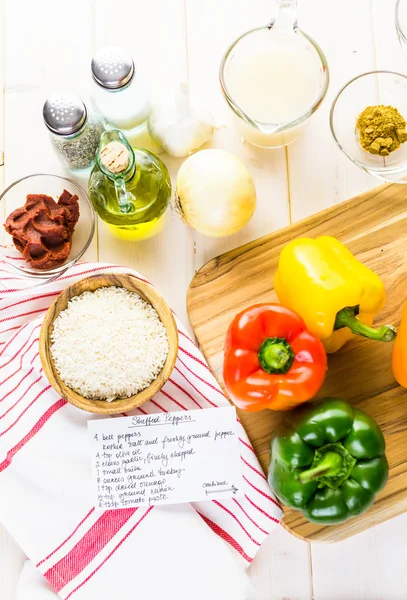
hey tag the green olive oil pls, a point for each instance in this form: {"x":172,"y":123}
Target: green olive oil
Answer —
{"x":129,"y":188}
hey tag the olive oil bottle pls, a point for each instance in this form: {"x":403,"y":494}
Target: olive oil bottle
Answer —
{"x":129,"y":188}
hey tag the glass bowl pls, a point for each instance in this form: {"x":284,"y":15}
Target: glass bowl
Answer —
{"x":370,"y":89}
{"x":14,"y":197}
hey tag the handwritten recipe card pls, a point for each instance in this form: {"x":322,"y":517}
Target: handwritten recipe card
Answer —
{"x":166,"y":458}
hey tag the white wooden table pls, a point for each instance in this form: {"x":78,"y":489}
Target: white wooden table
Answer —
{"x":48,"y":46}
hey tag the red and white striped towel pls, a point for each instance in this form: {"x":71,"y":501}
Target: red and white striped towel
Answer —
{"x":45,"y":482}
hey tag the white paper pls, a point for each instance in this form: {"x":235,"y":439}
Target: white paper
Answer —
{"x":166,"y":458}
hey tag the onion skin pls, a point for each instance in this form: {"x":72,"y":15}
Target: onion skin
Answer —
{"x":216,"y":193}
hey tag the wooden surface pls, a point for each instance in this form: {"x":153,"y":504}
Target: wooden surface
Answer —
{"x":374,"y":227}
{"x":47,"y":47}
{"x":90,"y":284}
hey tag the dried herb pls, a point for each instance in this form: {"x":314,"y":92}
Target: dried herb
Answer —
{"x":382,"y":129}
{"x":78,"y":151}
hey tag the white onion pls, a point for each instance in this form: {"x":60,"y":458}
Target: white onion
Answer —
{"x":215,"y":193}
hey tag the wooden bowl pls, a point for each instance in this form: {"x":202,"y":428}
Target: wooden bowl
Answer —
{"x":147,"y":293}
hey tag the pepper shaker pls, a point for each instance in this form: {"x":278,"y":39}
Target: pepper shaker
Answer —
{"x":75,"y":133}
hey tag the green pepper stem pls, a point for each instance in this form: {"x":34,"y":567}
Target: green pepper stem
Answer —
{"x":331,"y":464}
{"x":276,"y":355}
{"x":347,"y":318}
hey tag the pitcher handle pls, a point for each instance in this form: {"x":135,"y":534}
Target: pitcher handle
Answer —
{"x":285,"y":16}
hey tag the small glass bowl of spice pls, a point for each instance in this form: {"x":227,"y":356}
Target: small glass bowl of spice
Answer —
{"x":75,"y":131}
{"x":368,"y":122}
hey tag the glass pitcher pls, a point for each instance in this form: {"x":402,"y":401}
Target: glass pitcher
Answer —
{"x":129,"y":188}
{"x":274,"y":78}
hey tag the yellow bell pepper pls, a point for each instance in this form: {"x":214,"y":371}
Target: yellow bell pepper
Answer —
{"x":335,"y":294}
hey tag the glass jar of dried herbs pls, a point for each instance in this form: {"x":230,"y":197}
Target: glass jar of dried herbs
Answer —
{"x":75,"y":132}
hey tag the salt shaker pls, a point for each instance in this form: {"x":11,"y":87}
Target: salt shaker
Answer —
{"x":75,"y":133}
{"x":121,"y":96}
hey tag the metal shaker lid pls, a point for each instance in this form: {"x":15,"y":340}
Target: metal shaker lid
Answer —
{"x":64,"y":114}
{"x":112,"y":67}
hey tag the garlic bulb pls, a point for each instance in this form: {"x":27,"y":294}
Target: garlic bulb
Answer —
{"x":215,"y":193}
{"x":177,"y":127}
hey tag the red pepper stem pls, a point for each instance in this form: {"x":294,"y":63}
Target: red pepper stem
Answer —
{"x":347,"y":318}
{"x":330,"y":465}
{"x":275,"y":355}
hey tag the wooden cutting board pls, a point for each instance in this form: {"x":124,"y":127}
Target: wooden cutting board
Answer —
{"x":374,"y":227}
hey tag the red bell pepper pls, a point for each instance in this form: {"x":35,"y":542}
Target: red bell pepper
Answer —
{"x":271,"y":360}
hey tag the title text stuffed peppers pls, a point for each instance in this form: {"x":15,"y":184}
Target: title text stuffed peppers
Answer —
{"x":271,"y":360}
{"x":328,"y":461}
{"x":336,"y":295}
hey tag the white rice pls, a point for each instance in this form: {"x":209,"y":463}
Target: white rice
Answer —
{"x":108,"y":344}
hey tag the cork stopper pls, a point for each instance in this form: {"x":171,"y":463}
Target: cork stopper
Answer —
{"x":115,"y":157}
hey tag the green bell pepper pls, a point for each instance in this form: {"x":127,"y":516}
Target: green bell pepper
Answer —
{"x":328,"y":461}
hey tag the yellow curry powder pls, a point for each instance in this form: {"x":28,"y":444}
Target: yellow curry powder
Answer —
{"x":382,"y":129}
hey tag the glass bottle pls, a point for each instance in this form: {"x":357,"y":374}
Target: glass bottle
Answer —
{"x":121,"y":96}
{"x":129,"y":187}
{"x":75,"y":132}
